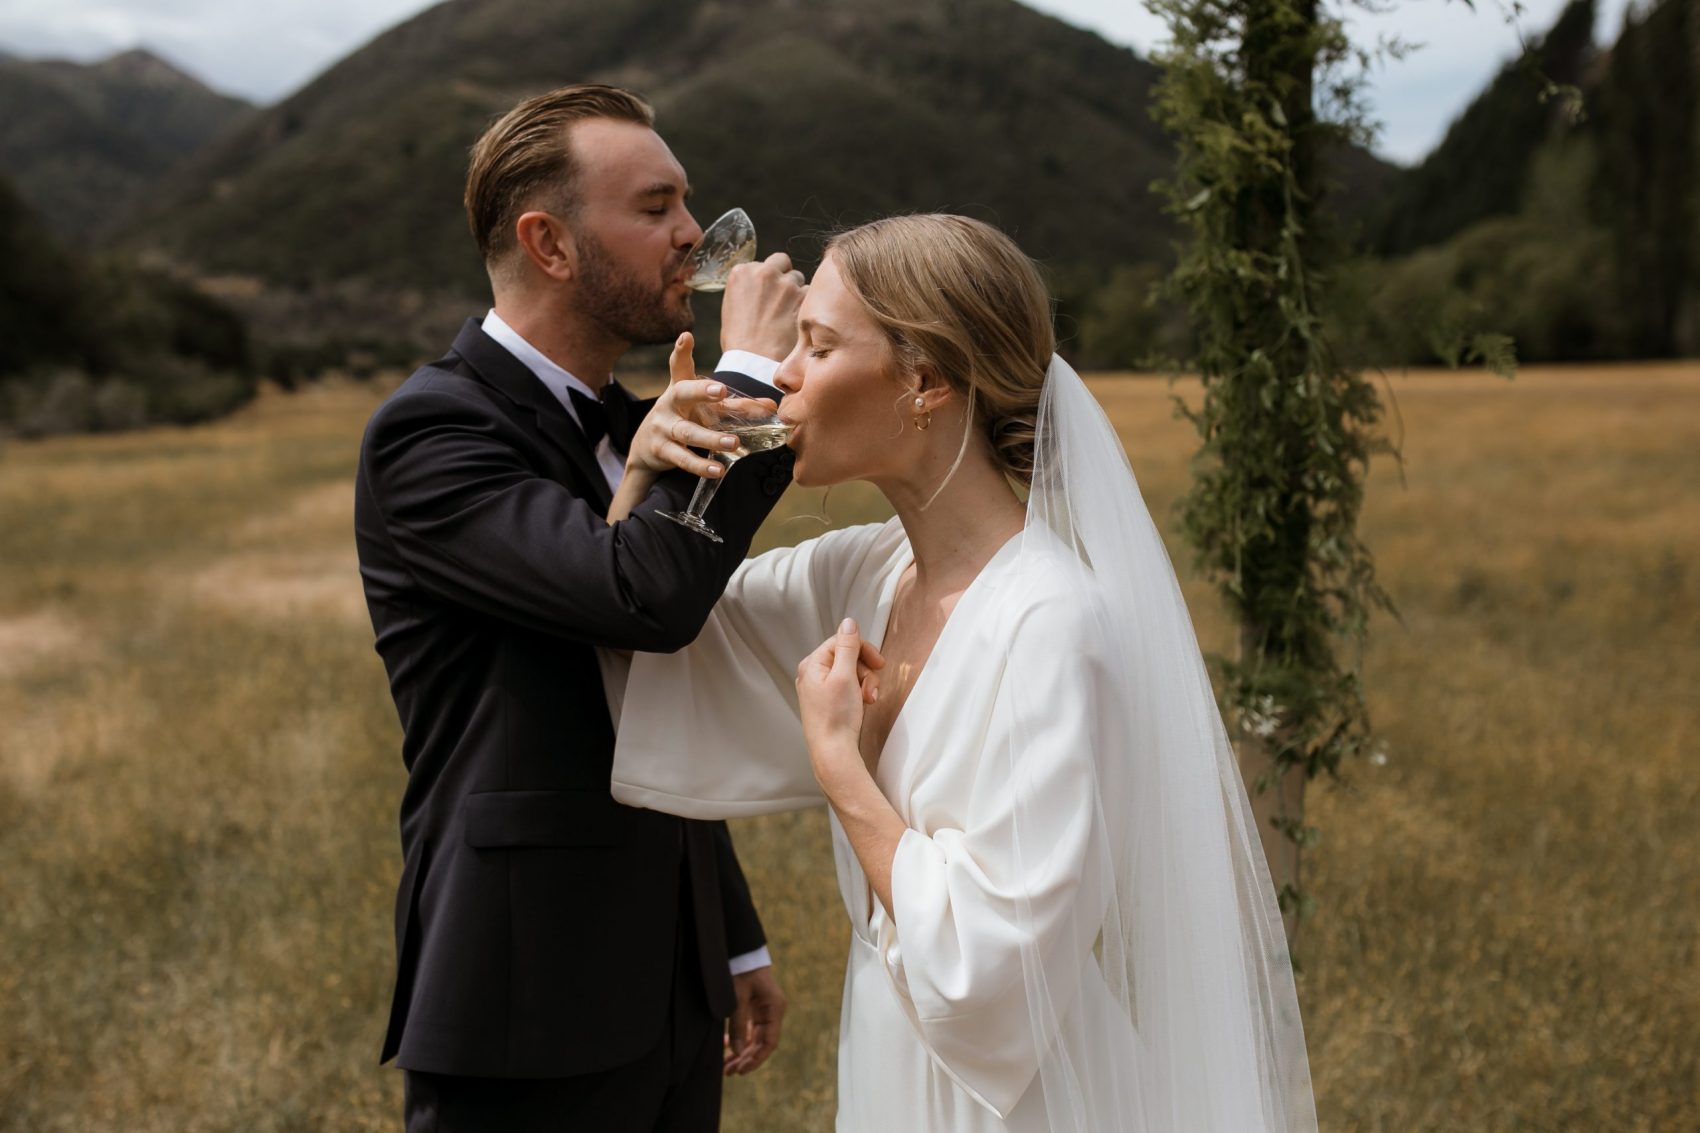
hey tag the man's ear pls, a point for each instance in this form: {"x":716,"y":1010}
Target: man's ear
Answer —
{"x":548,"y":244}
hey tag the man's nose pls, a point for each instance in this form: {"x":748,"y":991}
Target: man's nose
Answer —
{"x":691,"y":235}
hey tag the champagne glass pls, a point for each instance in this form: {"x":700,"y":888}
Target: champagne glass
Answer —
{"x":725,"y":244}
{"x":757,"y":431}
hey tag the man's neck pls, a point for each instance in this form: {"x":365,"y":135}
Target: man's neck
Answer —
{"x":563,"y":338}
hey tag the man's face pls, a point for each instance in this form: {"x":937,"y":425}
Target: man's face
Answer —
{"x":632,"y":231}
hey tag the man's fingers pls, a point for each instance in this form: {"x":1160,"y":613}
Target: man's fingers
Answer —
{"x":738,"y":1031}
{"x":764,"y":1042}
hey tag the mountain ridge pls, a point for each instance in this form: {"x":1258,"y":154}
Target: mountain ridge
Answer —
{"x":93,"y":140}
{"x":807,"y":114}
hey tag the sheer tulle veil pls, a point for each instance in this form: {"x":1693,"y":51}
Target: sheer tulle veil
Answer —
{"x":1177,"y":907}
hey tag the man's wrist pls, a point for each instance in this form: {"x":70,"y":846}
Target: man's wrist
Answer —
{"x":750,"y":363}
{"x":750,"y":961}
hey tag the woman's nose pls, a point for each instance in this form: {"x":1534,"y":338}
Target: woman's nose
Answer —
{"x":787,"y":377}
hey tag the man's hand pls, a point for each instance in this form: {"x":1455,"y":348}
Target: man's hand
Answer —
{"x":760,"y":309}
{"x":753,"y":1032}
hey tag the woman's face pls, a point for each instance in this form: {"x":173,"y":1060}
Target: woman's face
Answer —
{"x":844,"y":391}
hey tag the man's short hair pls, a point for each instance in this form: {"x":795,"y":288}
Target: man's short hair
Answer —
{"x":524,"y":160}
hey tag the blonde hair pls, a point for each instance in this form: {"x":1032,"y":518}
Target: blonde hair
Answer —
{"x":525,"y":155}
{"x":958,"y":296}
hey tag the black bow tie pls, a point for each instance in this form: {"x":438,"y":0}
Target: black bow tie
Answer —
{"x":605,"y":418}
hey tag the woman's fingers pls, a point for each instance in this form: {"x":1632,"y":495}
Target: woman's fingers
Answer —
{"x":681,"y":366}
{"x":683,"y":431}
{"x":679,"y":456}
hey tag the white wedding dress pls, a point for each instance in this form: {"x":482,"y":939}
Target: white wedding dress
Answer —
{"x":934,"y":1033}
{"x":1083,"y":936}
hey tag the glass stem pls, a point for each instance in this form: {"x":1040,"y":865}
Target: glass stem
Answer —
{"x":704,"y":495}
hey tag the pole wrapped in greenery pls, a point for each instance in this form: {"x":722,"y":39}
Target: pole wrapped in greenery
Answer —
{"x":1287,"y":429}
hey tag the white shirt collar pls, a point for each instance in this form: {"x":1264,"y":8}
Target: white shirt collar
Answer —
{"x":551,"y":375}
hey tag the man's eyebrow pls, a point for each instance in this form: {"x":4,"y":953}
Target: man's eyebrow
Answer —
{"x":664,"y":189}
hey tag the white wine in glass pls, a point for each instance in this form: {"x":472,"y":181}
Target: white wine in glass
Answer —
{"x":756,"y":433}
{"x":725,"y":244}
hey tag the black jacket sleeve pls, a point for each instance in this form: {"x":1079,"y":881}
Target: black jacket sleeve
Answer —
{"x":475,"y":524}
{"x":744,"y":932}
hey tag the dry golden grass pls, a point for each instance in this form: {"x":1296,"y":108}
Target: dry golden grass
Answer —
{"x":198,"y":778}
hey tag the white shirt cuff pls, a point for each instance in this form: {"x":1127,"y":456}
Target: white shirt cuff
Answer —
{"x":750,"y":961}
{"x":758,"y":366}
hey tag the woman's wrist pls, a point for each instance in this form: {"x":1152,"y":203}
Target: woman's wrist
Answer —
{"x":840,"y":768}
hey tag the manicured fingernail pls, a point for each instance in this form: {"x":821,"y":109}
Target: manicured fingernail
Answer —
{"x":848,"y":625}
{"x":715,"y":389}
{"x":874,"y":693}
{"x":728,"y":442}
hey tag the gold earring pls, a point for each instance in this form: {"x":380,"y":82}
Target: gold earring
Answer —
{"x":922,"y":419}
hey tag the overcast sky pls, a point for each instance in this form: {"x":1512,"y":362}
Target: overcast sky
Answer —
{"x":264,"y":49}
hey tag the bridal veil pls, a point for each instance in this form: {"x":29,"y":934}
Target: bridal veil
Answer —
{"x":1175,"y":900}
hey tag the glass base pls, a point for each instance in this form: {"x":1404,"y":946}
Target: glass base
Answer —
{"x":694,"y":523}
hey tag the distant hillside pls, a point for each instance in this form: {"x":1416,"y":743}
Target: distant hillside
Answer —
{"x":41,"y":293}
{"x":808,"y":114}
{"x":1482,"y":166}
{"x":103,"y":344}
{"x":1579,"y":239}
{"x":86,"y":143}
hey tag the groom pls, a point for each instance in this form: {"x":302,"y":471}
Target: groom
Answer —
{"x":563,"y":962}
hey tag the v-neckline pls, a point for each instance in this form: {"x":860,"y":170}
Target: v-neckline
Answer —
{"x":888,"y":599}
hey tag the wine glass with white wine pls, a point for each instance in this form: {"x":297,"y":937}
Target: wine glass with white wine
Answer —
{"x":757,"y":431}
{"x":725,"y":244}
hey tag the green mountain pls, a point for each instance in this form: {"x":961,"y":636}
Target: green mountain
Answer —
{"x":41,"y":293}
{"x":104,"y":344}
{"x":808,"y":113}
{"x":86,"y":143}
{"x":1579,"y":238}
{"x":1482,"y":166}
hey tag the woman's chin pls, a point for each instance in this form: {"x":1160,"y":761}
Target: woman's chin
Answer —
{"x":804,"y":476}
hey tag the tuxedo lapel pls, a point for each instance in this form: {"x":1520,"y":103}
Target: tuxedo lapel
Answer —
{"x":525,"y":389}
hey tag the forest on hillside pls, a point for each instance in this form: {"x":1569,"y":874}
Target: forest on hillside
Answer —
{"x":1571,"y":225}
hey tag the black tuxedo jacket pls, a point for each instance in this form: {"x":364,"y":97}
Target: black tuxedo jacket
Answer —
{"x":537,"y":919}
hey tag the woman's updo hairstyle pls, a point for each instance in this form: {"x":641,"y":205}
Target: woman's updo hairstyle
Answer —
{"x":957,"y":295}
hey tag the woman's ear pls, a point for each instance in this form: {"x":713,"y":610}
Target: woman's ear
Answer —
{"x":548,"y":244}
{"x":932,"y":391}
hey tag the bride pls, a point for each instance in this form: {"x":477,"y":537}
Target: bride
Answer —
{"x":1060,"y":914}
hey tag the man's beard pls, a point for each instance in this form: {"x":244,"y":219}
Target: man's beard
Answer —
{"x":628,"y":306}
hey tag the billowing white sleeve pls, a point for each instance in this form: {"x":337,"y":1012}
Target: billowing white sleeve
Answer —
{"x":713,"y":731}
{"x":993,"y":918}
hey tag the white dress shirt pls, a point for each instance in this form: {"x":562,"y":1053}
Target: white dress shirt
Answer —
{"x":559,"y":381}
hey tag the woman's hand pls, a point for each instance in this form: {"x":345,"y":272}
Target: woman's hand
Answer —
{"x":680,"y":420}
{"x":835,"y":684}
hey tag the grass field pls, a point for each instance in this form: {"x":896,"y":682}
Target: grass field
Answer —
{"x":199,"y":778}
